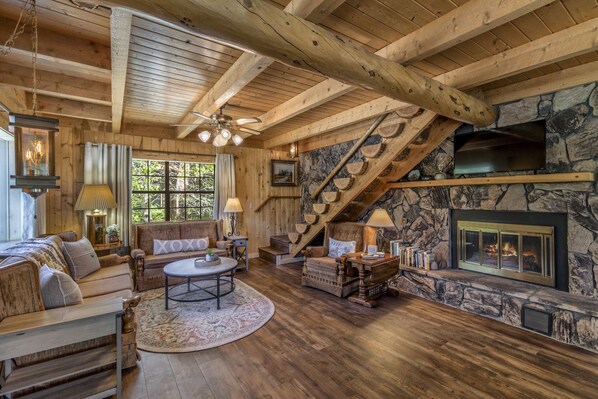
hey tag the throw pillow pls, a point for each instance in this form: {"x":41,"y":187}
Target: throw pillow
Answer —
{"x":58,"y":288}
{"x":171,"y":246}
{"x":337,"y":248}
{"x":80,"y":257}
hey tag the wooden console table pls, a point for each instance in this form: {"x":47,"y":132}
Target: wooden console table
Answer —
{"x":35,"y":332}
{"x":373,"y":278}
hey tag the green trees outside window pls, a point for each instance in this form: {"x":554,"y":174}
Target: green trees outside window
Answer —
{"x":171,"y":191}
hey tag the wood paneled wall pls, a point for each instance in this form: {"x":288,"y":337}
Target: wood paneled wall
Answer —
{"x":252,"y":174}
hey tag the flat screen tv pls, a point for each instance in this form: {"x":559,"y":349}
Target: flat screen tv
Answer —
{"x":516,"y":147}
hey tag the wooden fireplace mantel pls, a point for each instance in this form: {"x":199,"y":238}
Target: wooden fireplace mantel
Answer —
{"x":574,"y":177}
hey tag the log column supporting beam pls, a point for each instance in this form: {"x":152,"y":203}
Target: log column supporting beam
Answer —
{"x":248,"y":66}
{"x":568,"y":43}
{"x":120,"y":39}
{"x":264,"y":29}
{"x":463,"y":23}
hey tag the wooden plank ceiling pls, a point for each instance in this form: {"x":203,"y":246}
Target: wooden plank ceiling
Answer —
{"x":169,"y":71}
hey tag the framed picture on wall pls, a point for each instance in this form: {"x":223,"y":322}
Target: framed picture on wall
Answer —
{"x":284,"y":173}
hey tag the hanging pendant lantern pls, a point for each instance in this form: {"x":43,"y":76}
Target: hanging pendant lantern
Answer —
{"x":34,"y":153}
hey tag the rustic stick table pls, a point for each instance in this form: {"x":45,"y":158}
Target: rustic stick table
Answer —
{"x":373,"y":278}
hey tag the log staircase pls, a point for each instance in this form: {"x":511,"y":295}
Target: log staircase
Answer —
{"x":403,"y":145}
{"x":278,"y":251}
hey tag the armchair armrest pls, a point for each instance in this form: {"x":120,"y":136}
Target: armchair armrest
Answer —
{"x":137,"y":254}
{"x":315,"y":252}
{"x":129,"y":323}
{"x":113,"y":260}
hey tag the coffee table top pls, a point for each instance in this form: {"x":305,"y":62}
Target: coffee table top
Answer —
{"x":187,"y":268}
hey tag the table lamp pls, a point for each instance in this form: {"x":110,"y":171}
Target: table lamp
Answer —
{"x":233,"y":206}
{"x":381,"y":220}
{"x":94,"y":197}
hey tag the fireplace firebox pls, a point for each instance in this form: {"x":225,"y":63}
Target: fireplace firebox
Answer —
{"x":524,"y":246}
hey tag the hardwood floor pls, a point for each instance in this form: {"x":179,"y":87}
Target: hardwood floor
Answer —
{"x":320,"y":346}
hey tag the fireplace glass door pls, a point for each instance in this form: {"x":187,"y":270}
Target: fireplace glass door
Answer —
{"x":515,"y":251}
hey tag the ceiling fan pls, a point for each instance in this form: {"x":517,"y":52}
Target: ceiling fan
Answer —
{"x":219,"y":125}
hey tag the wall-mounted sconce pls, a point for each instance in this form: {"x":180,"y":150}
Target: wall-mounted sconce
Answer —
{"x":293,"y":152}
{"x":34,"y":153}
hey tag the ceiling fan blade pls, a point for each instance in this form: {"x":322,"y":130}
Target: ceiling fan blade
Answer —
{"x":250,"y":131}
{"x":245,"y":121}
{"x":200,"y":115}
{"x":193,"y":124}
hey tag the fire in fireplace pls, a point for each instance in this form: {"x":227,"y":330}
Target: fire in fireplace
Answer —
{"x":525,"y":246}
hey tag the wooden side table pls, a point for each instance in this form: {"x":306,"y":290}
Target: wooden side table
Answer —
{"x":240,"y":242}
{"x":107,"y":248}
{"x":373,"y":278}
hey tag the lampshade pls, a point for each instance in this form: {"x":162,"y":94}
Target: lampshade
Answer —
{"x":205,"y":136}
{"x":233,"y":205}
{"x":95,"y":196}
{"x":225,"y":133}
{"x":237,"y":139}
{"x":381,"y":219}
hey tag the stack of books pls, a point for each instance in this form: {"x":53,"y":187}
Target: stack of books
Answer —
{"x":411,"y":256}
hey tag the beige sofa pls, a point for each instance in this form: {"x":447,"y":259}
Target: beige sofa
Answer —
{"x":20,"y":287}
{"x":149,"y":267}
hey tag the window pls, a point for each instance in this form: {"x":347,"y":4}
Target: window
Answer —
{"x":10,"y":200}
{"x":172,"y":191}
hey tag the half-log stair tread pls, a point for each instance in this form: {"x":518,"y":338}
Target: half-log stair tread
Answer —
{"x":391,"y":131}
{"x":353,"y":186}
{"x":409,"y":112}
{"x":89,"y":386}
{"x":302,"y":228}
{"x":320,"y":208}
{"x":37,"y":374}
{"x":372,"y":150}
{"x":311,"y":219}
{"x":294,"y":237}
{"x":357,"y":168}
{"x":343,"y":183}
{"x":331,"y":196}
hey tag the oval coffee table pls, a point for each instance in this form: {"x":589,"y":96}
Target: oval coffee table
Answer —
{"x":186,"y":268}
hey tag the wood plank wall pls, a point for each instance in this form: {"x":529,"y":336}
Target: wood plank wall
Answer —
{"x":252,"y":175}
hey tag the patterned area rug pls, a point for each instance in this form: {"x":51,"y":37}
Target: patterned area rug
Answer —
{"x":194,"y":326}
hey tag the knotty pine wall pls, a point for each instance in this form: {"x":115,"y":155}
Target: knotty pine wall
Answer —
{"x":252,"y":175}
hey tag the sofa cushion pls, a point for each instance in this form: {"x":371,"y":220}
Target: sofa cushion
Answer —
{"x":124,"y":294}
{"x":147,"y":233}
{"x":106,"y":272}
{"x":201,"y":228}
{"x":182,"y":245}
{"x":154,"y":261}
{"x":58,"y":289}
{"x":337,"y":248}
{"x":197,"y":254}
{"x":80,"y":257}
{"x":105,"y":286}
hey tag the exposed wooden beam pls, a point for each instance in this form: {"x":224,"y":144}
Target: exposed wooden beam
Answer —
{"x":74,"y":109}
{"x":56,"y":85}
{"x":120,"y":38}
{"x":565,"y":79}
{"x":261,"y":27}
{"x":463,"y":23}
{"x":556,"y":47}
{"x":249,"y":65}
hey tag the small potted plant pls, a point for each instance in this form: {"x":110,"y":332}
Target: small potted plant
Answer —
{"x":113,"y":232}
{"x":211,"y":256}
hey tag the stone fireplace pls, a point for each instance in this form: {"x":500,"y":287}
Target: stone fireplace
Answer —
{"x":525,"y":246}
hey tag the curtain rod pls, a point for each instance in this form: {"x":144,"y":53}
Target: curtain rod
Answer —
{"x":163,"y":152}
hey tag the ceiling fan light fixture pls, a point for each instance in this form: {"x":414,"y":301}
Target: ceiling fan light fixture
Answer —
{"x":237,"y":139}
{"x":225,"y":133}
{"x":205,"y":136}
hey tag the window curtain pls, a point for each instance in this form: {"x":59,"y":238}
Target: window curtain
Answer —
{"x":111,"y":164}
{"x":224,"y":185}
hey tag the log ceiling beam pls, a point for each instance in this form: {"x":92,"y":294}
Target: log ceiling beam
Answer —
{"x":55,"y":85}
{"x":59,"y":53}
{"x":565,"y":44}
{"x":120,"y":39}
{"x":261,"y":27}
{"x":248,"y":66}
{"x":74,"y":109}
{"x":463,"y":23}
